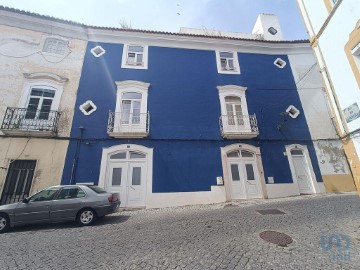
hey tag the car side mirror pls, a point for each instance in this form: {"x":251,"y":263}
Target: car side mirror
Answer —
{"x":26,"y":200}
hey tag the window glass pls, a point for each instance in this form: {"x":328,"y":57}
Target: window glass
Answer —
{"x":233,"y":154}
{"x":137,"y":155}
{"x":44,"y":195}
{"x":296,"y":152}
{"x":70,"y":193}
{"x":136,"y":48}
{"x":97,"y":189}
{"x":235,"y":172}
{"x":116,"y":176}
{"x":121,"y":155}
{"x":131,"y":95}
{"x":246,"y":154}
{"x":226,"y":54}
{"x":250,"y":172}
{"x":136,"y":176}
{"x":232,"y":99}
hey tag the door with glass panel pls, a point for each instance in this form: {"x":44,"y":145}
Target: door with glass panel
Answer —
{"x":127,"y":175}
{"x":130,"y":118}
{"x":38,"y":113}
{"x":244,"y":175}
{"x":235,"y":119}
{"x":302,"y":171}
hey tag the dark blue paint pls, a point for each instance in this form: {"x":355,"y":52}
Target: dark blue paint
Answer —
{"x":184,"y":106}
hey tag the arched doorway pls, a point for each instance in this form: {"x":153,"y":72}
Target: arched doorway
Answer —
{"x":125,"y":169}
{"x":241,"y":171}
{"x":301,"y":168}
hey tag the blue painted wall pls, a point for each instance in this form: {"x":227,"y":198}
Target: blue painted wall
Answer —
{"x":184,"y":107}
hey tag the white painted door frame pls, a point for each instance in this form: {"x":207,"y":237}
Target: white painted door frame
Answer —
{"x":148,"y":164}
{"x":312,"y":176}
{"x":225,"y":166}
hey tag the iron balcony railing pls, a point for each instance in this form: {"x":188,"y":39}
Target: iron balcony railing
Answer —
{"x":239,"y":124}
{"x":132,"y":124}
{"x":23,"y":119}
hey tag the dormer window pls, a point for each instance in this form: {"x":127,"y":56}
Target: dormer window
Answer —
{"x":55,"y":46}
{"x":135,"y":56}
{"x":227,"y":62}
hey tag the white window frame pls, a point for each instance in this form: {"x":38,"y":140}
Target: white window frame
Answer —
{"x":88,"y":102}
{"x":43,"y":43}
{"x":44,"y":80}
{"x":281,"y":65}
{"x":291,"y":108}
{"x":124,"y":63}
{"x":236,"y":69}
{"x":93,"y":51}
{"x":131,"y":86}
{"x":235,"y":91}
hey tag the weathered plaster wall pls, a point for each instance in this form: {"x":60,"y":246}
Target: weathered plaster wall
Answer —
{"x":49,"y":154}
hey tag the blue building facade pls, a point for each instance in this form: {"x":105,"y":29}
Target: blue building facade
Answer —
{"x":196,"y":134}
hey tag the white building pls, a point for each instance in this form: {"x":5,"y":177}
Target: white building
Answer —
{"x":334,"y":30}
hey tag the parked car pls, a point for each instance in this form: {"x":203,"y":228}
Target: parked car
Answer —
{"x":81,"y":203}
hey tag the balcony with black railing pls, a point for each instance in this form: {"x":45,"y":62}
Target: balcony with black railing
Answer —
{"x":128,"y":125}
{"x":239,"y":126}
{"x":23,"y":121}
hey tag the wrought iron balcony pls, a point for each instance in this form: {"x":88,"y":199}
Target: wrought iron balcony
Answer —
{"x":23,"y":121}
{"x":128,"y":125}
{"x":239,"y":127}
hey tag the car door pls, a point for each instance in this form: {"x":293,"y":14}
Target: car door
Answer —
{"x":37,"y":208}
{"x":67,"y":203}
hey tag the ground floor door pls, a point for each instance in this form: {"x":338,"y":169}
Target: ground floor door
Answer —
{"x":127,"y":176}
{"x":244,"y":175}
{"x":301,"y":171}
{"x":18,"y":181}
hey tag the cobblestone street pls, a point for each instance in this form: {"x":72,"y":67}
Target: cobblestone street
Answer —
{"x":197,"y":237}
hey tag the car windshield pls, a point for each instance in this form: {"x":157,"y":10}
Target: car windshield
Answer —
{"x":97,"y":189}
{"x":44,"y":195}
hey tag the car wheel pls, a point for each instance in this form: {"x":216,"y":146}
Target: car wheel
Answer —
{"x":4,"y":223}
{"x":86,"y":217}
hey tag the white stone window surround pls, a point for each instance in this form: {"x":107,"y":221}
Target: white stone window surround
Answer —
{"x":98,"y":51}
{"x":132,"y":86}
{"x":62,"y":39}
{"x":236,"y":62}
{"x":293,"y":111}
{"x":280,"y":63}
{"x":235,"y":91}
{"x":44,"y":80}
{"x":125,"y":56}
{"x":88,"y":104}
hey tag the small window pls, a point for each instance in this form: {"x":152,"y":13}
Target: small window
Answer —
{"x":293,"y":111}
{"x":97,"y":51}
{"x":116,"y":177}
{"x":272,"y":31}
{"x":121,"y":155}
{"x":137,"y":155}
{"x":227,"y":62}
{"x":134,"y":56}
{"x":279,"y":63}
{"x":136,"y":176}
{"x":235,"y":172}
{"x":296,"y":152}
{"x":250,"y":172}
{"x":246,"y":154}
{"x":88,"y":107}
{"x":55,"y":46}
{"x":233,"y":154}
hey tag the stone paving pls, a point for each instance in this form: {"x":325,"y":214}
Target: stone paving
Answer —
{"x":215,"y":236}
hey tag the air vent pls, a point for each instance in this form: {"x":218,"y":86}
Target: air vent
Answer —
{"x":88,"y":107}
{"x":279,"y":63}
{"x":97,"y":51}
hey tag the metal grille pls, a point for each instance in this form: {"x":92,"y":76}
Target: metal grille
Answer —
{"x":128,"y":122}
{"x":18,"y":181}
{"x":236,"y":123}
{"x":34,"y":120}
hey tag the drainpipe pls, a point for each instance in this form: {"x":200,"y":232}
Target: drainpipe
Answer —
{"x":76,"y":157}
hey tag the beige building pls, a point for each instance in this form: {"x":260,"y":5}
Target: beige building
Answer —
{"x":334,"y":30}
{"x":40,"y":67}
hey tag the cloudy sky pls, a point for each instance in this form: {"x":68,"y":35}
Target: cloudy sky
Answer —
{"x":170,"y":15}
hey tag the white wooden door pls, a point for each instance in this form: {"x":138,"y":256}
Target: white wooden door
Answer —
{"x":237,"y":180}
{"x":302,"y":172}
{"x":118,"y":175}
{"x":252,"y":180}
{"x":136,"y":184}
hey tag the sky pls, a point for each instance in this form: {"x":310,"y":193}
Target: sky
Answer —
{"x":170,"y":15}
